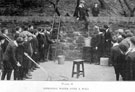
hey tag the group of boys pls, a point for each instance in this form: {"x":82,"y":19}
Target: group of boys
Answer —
{"x":123,"y":55}
{"x":34,"y":42}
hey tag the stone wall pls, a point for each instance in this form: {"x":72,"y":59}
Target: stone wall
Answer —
{"x":66,"y":19}
{"x":72,"y":32}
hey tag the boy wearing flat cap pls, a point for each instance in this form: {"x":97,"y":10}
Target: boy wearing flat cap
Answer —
{"x":130,"y":58}
{"x":10,"y":61}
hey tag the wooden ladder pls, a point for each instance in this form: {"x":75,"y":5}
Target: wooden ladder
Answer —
{"x":55,"y":33}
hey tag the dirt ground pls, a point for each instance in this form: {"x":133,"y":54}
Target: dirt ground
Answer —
{"x":59,"y":72}
{"x":53,"y":71}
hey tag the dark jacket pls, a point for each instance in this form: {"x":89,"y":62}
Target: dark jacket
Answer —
{"x":100,"y":42}
{"x":95,"y":11}
{"x":4,"y":46}
{"x":20,"y":54}
{"x":130,"y":66}
{"x":47,"y":40}
{"x":83,"y":12}
{"x":34,"y":43}
{"x":108,"y":36}
{"x":116,"y":55}
{"x":10,"y":54}
{"x":40,"y":38}
{"x":126,"y":43}
{"x":28,"y":48}
{"x":118,"y":60}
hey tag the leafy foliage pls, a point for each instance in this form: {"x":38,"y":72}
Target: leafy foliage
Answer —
{"x":65,"y":7}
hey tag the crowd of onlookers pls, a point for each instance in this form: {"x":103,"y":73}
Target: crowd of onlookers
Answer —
{"x":119,"y":47}
{"x":33,"y":41}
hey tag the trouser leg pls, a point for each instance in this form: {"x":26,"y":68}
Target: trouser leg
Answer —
{"x":20,"y":76}
{"x":41,"y":54}
{"x":45,"y":53}
{"x":9,"y":72}
{"x":4,"y":72}
{"x":117,"y":72}
{"x":16,"y":73}
{"x":117,"y":76}
{"x":98,"y":56}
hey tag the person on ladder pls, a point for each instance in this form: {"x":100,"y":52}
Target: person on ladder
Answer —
{"x":47,"y":42}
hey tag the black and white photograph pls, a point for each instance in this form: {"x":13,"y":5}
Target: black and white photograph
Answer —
{"x":67,"y":41}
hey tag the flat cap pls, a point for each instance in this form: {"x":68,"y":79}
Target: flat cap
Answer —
{"x":19,"y":40}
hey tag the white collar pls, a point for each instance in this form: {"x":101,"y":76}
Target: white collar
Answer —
{"x":41,"y":33}
{"x":100,"y":33}
{"x":16,"y":44}
{"x":115,"y":44}
{"x":17,"y":32}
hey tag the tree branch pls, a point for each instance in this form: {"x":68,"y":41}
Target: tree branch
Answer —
{"x":126,"y":3}
{"x":102,"y":3}
{"x":55,"y":5}
{"x":76,"y":9}
{"x":124,"y":12}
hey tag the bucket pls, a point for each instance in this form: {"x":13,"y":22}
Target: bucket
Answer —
{"x":61,"y":59}
{"x":87,"y":42}
{"x":104,"y":61}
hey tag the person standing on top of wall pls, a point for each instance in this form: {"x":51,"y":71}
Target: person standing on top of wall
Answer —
{"x":83,"y":11}
{"x":95,"y":10}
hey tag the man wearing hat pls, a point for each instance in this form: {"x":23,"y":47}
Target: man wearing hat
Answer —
{"x":19,"y":57}
{"x":118,"y":58}
{"x":40,"y":38}
{"x":99,"y":45}
{"x":82,"y":11}
{"x":108,"y":39}
{"x":2,"y":38}
{"x":126,"y":42}
{"x":10,"y":61}
{"x":130,"y":58}
{"x":47,"y":42}
{"x":95,"y":10}
{"x":5,"y":41}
